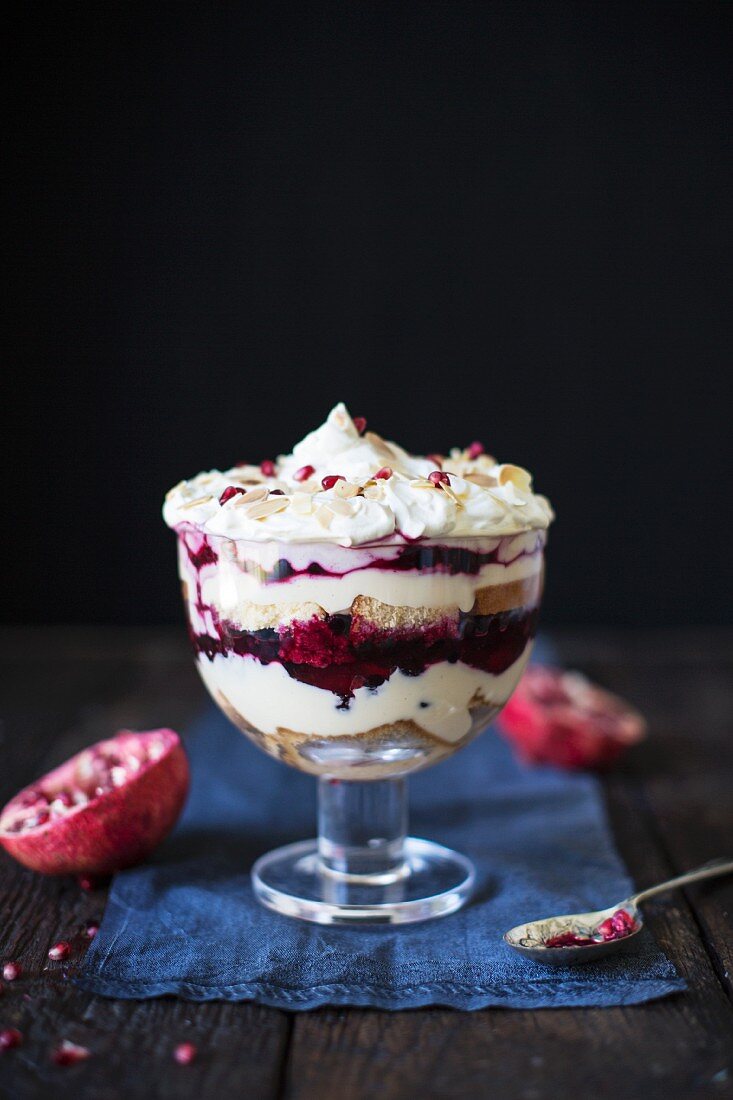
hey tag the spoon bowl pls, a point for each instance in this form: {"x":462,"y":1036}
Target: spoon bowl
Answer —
{"x":535,"y":939}
{"x":584,"y":937}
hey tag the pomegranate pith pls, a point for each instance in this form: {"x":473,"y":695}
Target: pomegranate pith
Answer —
{"x":127,"y":793}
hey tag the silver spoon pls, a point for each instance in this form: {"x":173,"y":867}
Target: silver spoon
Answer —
{"x":532,"y":939}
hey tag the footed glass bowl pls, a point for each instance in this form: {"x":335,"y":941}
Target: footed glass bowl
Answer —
{"x":359,"y":665}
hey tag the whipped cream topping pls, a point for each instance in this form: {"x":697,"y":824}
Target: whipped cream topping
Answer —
{"x":382,"y":491}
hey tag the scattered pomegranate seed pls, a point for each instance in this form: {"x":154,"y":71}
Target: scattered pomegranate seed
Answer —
{"x":384,"y":473}
{"x":360,"y":424}
{"x":10,"y":1038}
{"x":437,"y":460}
{"x":304,"y":473}
{"x":438,"y":477}
{"x":68,"y":1053}
{"x":330,"y":480}
{"x":11,"y":971}
{"x":267,"y":467}
{"x":276,"y":493}
{"x":475,"y":450}
{"x":60,"y":950}
{"x":91,"y":930}
{"x":229,"y":492}
{"x":185,"y":1053}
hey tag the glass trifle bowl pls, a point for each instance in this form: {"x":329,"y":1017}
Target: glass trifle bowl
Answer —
{"x":359,"y":621}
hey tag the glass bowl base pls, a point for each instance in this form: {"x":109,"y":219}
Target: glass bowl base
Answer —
{"x":432,"y":882}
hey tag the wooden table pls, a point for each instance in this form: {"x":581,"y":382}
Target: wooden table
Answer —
{"x":671,"y":803}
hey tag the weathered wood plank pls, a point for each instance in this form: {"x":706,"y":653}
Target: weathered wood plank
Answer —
{"x":60,"y":698}
{"x":676,"y":1048}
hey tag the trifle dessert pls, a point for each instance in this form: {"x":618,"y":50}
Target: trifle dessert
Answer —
{"x":360,"y":611}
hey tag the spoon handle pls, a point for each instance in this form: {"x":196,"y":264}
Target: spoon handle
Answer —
{"x":708,"y":870}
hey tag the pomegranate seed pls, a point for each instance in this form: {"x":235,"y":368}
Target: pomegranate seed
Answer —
{"x":267,"y":467}
{"x":304,"y":473}
{"x":276,"y":493}
{"x":475,"y":450}
{"x":438,"y":477}
{"x":185,"y":1053}
{"x":384,"y":473}
{"x":437,"y":460}
{"x":10,"y":1038}
{"x":330,"y":480}
{"x":60,"y":950}
{"x":11,"y":971}
{"x":91,"y":930}
{"x":64,"y":797}
{"x":68,"y":1053}
{"x":229,"y":492}
{"x":360,"y":424}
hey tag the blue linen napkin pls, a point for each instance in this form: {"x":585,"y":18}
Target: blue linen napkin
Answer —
{"x":187,"y":923}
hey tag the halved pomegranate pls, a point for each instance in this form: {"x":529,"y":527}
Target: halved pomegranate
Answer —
{"x":561,"y":718}
{"x":105,"y":809}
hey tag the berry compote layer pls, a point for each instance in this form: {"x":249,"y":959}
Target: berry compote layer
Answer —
{"x":363,"y":661}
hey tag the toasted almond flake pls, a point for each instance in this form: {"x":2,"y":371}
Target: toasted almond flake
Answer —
{"x":345,"y":490}
{"x":302,"y":503}
{"x":195,"y":503}
{"x":421,"y":483}
{"x":252,"y":496}
{"x":267,"y":508}
{"x":341,"y":507}
{"x":452,"y":494}
{"x":484,"y":480}
{"x":175,"y":489}
{"x":517,"y":475}
{"x":380,"y":446}
{"x":324,"y":516}
{"x":374,"y":492}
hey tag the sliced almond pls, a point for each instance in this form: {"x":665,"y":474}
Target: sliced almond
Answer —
{"x":374,"y":492}
{"x":340,"y":507}
{"x":175,"y":489}
{"x":452,"y":494}
{"x":380,"y":445}
{"x":324,"y":516}
{"x":302,"y":503}
{"x":421,"y":483}
{"x":267,"y":508}
{"x":345,"y":490}
{"x":484,"y":480}
{"x":199,"y":500}
{"x":517,"y":475}
{"x":252,"y":496}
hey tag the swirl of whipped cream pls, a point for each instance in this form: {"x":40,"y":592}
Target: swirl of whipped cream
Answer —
{"x":286,"y":500}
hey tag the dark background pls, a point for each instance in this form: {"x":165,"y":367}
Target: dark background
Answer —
{"x":509,"y":221}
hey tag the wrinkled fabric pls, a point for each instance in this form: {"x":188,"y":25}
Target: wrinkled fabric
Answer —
{"x":187,"y":923}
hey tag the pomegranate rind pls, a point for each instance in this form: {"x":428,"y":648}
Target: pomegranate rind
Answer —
{"x":561,"y":718}
{"x":113,"y":830}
